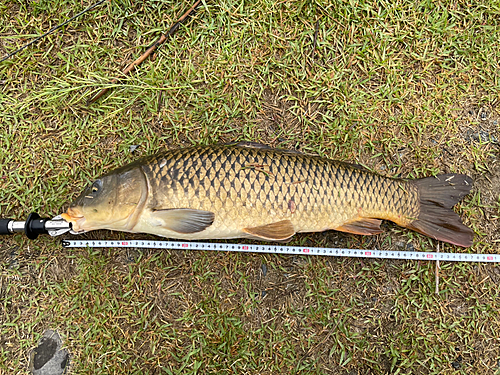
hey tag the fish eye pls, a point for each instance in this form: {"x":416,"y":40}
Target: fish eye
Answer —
{"x":96,"y":186}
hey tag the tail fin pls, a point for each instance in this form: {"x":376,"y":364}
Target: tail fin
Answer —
{"x":436,"y":219}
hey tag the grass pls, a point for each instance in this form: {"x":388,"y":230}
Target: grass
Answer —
{"x":405,"y":88}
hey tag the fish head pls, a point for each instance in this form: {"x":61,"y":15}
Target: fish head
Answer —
{"x":110,"y":202}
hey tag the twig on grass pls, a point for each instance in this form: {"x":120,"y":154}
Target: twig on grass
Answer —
{"x":149,"y":51}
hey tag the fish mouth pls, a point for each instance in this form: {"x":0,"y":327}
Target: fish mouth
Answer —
{"x":76,"y":218}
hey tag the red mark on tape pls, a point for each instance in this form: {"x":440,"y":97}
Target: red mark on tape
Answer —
{"x":368,"y":253}
{"x":124,"y":243}
{"x":306,"y":250}
{"x":244,"y":247}
{"x":429,"y":256}
{"x":185,"y":245}
{"x":489,"y":258}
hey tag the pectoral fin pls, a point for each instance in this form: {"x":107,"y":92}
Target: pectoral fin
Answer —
{"x":364,"y":226}
{"x":278,"y":231}
{"x":183,"y":220}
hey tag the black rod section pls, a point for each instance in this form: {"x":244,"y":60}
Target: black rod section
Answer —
{"x":33,"y":226}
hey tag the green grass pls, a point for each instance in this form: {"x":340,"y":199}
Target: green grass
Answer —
{"x":405,"y":88}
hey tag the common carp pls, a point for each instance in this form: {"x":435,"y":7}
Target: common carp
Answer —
{"x":248,"y":190}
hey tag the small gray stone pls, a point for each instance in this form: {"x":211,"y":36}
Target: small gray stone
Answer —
{"x":400,"y":245}
{"x":48,"y":358}
{"x":44,"y":352}
{"x":264,"y":270}
{"x":132,"y":148}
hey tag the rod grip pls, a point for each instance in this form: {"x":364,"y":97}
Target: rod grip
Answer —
{"x":4,"y":226}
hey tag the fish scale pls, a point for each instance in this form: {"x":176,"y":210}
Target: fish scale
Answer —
{"x":250,"y":190}
{"x":234,"y":183}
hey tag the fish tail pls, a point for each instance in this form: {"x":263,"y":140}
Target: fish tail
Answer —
{"x":436,"y":219}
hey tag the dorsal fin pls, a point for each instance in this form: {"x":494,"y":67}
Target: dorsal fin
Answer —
{"x":248,"y":144}
{"x":353,"y":165}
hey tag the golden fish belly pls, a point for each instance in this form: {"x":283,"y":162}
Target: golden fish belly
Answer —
{"x":246,"y":187}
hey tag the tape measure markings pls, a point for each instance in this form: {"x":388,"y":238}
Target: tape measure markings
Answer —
{"x":272,"y":249}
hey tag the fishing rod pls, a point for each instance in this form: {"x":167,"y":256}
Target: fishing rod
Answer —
{"x":35,"y":225}
{"x":52,"y":30}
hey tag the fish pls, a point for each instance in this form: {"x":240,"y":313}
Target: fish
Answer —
{"x":250,"y":190}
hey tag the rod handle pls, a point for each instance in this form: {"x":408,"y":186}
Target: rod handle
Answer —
{"x":32,"y":227}
{"x":4,"y":226}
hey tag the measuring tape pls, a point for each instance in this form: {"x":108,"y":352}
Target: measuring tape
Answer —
{"x":298,"y":250}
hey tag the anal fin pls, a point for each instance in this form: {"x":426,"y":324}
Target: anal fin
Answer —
{"x":365,"y":226}
{"x":279,"y":231}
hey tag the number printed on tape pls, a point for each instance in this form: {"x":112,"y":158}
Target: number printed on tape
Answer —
{"x":335,"y":252}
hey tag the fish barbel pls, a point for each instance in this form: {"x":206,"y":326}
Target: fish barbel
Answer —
{"x":248,"y":190}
